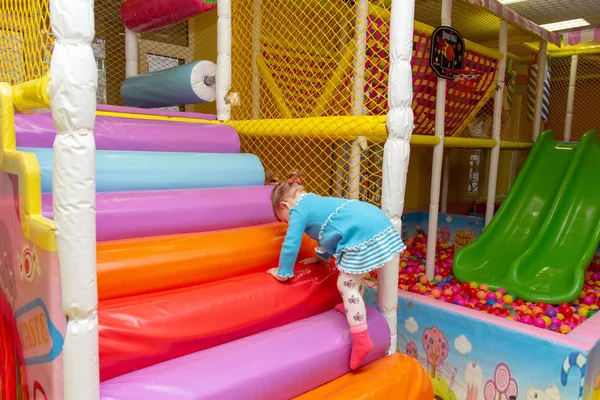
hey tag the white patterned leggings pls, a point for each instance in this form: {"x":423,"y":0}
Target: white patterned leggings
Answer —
{"x":351,"y":288}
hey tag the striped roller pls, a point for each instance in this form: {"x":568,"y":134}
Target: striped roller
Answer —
{"x":531,"y":91}
{"x":510,"y":83}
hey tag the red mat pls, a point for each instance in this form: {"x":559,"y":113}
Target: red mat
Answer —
{"x":139,"y":331}
{"x":147,"y":15}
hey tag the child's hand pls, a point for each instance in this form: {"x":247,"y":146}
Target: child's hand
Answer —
{"x":273,"y":273}
{"x":312,"y":260}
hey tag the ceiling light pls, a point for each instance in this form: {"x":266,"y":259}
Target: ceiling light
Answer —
{"x":562,"y":25}
{"x":505,"y":2}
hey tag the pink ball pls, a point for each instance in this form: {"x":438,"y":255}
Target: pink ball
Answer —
{"x":443,"y":298}
{"x":501,"y":291}
{"x":556,"y":321}
{"x":528,"y":320}
{"x":588,"y":300}
{"x":596,"y":276}
{"x":539,"y":322}
{"x":491,"y":296}
{"x":410,"y":270}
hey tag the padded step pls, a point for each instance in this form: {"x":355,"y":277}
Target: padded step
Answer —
{"x":118,"y":171}
{"x":134,"y":266}
{"x":139,"y":331}
{"x":135,"y":134}
{"x":124,"y":215}
{"x":278,"y":364}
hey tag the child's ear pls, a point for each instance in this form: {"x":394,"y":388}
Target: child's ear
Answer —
{"x":284,"y":205}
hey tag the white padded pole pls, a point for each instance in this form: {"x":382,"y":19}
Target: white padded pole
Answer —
{"x":497,"y":124}
{"x":445,"y":182}
{"x":537,"y":122}
{"x":132,"y":53}
{"x":396,"y":152}
{"x":438,"y":155}
{"x":73,"y":84}
{"x":223,"y":59}
{"x":571,"y":97}
{"x":256,"y":33}
{"x":358,"y":98}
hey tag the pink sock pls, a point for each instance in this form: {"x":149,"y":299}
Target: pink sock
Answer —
{"x":361,"y":345}
{"x":340,"y":308}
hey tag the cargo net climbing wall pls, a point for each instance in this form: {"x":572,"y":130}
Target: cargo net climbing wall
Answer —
{"x":301,"y":66}
{"x":587,"y":87}
{"x":25,"y":40}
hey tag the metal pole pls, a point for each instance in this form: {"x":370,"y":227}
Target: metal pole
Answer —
{"x":438,"y":155}
{"x":571,"y":97}
{"x":497,"y":124}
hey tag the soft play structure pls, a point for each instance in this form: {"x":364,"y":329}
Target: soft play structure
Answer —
{"x":184,"y":240}
{"x":548,"y":228}
{"x":134,"y":240}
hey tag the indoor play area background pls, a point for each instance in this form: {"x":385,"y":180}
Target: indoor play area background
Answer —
{"x":309,"y":90}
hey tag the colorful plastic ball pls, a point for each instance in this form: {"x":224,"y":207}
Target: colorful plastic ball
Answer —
{"x":565,"y":329}
{"x":474,"y":285}
{"x":436,"y":293}
{"x":590,"y":314}
{"x":588,"y":300}
{"x":547,"y":320}
{"x":491,"y":296}
{"x":550,"y":312}
{"x":539,"y":322}
{"x":490,"y":302}
{"x":537,"y":310}
{"x":583,"y":311}
{"x":484,"y":287}
{"x":567,"y":312}
{"x":553,"y":327}
{"x":481,"y":295}
{"x":507,"y":298}
{"x":526,"y":319}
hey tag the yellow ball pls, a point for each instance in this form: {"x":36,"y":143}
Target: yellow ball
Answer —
{"x":422,"y":289}
{"x":582,"y":294}
{"x":403,"y":264}
{"x":582,"y":311}
{"x":547,"y":320}
{"x":560,"y":316}
{"x":499,"y":295}
{"x":507,"y":299}
{"x":594,"y":307}
{"x":565,"y":329}
{"x":473,"y":285}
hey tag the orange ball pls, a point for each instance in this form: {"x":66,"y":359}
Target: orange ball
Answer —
{"x":484,"y":287}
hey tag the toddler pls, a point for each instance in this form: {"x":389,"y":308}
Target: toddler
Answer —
{"x":358,"y":235}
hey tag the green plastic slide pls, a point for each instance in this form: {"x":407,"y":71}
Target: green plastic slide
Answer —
{"x":548,"y":228}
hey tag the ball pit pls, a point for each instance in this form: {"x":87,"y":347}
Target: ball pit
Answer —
{"x":444,"y":287}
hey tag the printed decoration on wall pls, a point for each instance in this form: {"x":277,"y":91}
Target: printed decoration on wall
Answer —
{"x":29,"y":264}
{"x":446,"y":52}
{"x":549,"y":393}
{"x":38,"y":391}
{"x":7,"y":273}
{"x":502,"y":386}
{"x":42,"y":342}
{"x":574,"y":360}
{"x":473,"y":380}
{"x":436,"y":349}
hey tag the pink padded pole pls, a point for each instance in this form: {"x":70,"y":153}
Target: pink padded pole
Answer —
{"x":147,"y":15}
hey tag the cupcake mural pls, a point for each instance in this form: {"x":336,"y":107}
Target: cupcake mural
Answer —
{"x":473,"y":380}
